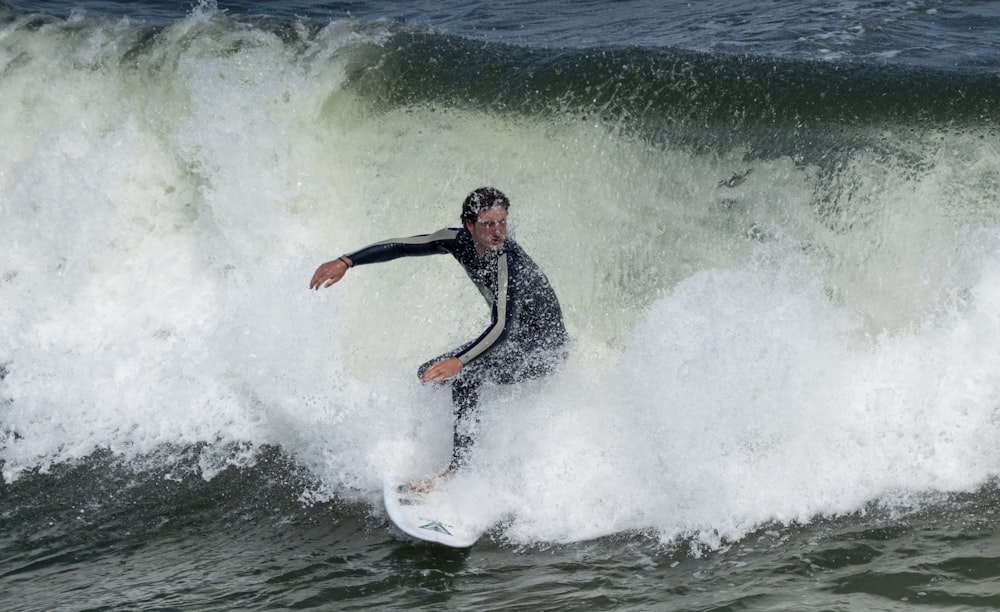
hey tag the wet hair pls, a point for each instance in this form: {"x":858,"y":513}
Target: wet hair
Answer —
{"x":482,"y":199}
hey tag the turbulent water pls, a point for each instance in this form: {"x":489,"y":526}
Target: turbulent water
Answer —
{"x":774,"y":229}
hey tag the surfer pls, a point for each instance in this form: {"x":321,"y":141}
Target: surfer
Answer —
{"x":526,"y":336}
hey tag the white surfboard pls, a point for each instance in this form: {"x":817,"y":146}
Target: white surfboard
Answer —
{"x":427,"y":516}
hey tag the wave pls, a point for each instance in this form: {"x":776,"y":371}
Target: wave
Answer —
{"x":779,"y":275}
{"x":657,"y":85}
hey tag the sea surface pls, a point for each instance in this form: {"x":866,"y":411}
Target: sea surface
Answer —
{"x":774,"y":228}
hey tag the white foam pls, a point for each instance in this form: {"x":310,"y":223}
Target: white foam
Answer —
{"x":739,"y":357}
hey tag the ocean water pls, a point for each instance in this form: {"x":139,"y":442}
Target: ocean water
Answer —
{"x":774,"y":229}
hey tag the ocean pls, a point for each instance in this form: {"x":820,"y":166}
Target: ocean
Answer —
{"x":774,"y":228}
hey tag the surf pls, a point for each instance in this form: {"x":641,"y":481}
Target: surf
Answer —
{"x":754,"y":302}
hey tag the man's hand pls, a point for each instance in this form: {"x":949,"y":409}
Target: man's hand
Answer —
{"x":329,"y":273}
{"x":442,"y":370}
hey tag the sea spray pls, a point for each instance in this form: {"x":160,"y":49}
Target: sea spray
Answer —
{"x":761,"y":333}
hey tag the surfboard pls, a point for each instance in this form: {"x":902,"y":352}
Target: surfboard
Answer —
{"x":430,"y":516}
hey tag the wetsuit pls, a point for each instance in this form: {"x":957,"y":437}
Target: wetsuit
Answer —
{"x":526,"y":335}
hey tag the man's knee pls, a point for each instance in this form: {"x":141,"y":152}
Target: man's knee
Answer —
{"x":464,"y":395}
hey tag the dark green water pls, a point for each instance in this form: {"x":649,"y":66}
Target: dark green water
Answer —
{"x":98,"y":537}
{"x":774,"y":231}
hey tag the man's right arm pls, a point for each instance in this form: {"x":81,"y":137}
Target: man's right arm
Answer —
{"x":386,"y":250}
{"x":413,"y":246}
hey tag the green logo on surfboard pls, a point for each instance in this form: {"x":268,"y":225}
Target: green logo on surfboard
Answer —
{"x":438,"y":527}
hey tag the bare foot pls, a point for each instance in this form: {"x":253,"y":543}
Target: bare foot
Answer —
{"x":429,"y":484}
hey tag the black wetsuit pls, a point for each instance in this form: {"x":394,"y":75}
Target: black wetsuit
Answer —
{"x":526,"y":335}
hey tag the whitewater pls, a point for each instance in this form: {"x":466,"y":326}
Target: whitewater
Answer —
{"x":768,"y":331}
{"x":162,"y":223}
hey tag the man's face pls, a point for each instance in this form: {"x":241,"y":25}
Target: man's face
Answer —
{"x":489,"y":229}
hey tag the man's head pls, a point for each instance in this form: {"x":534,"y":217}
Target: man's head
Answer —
{"x":484,"y":215}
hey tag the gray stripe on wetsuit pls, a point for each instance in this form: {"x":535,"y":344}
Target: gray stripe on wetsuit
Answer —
{"x":497,"y":331}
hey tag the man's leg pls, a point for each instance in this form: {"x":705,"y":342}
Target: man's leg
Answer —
{"x":464,"y":398}
{"x":505,"y":368}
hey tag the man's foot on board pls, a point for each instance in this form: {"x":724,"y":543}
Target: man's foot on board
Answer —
{"x":427,"y":485}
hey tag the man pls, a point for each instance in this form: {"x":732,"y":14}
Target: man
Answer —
{"x":526,"y":337}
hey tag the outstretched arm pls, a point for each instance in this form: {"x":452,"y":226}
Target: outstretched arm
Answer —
{"x":330,"y":272}
{"x":387,"y":250}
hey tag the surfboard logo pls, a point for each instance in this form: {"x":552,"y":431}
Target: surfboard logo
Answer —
{"x":435,"y":526}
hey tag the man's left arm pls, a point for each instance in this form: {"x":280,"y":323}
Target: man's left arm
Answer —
{"x":495,"y":334}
